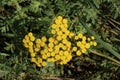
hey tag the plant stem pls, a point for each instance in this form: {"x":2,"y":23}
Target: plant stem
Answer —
{"x":105,"y":56}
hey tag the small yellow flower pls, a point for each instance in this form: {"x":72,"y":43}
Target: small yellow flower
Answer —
{"x":56,"y":51}
{"x":30,"y":34}
{"x":57,"y":29}
{"x":94,"y":43}
{"x":60,"y":18}
{"x":84,"y":42}
{"x":42,"y":44}
{"x":64,"y":41}
{"x":52,"y":53}
{"x":38,"y":41}
{"x":33,"y":60}
{"x":50,"y":44}
{"x":44,"y":56}
{"x":64,"y":61}
{"x":57,"y":57}
{"x":63,"y":58}
{"x":36,"y":49}
{"x":69,"y":57}
{"x":24,"y":41}
{"x":32,"y":54}
{"x":30,"y":44}
{"x":44,"y":63}
{"x":78,"y":53}
{"x":61,"y":53}
{"x":55,"y":42}
{"x":84,"y":38}
{"x":49,"y":60}
{"x":71,"y":35}
{"x":26,"y":37}
{"x":37,"y":45}
{"x":32,"y":38}
{"x":50,"y":49}
{"x":48,"y":54}
{"x":91,"y":42}
{"x":54,"y":26}
{"x":87,"y":45}
{"x":66,"y":53}
{"x":26,"y":45}
{"x":38,"y":64}
{"x":60,"y":33}
{"x":51,"y":39}
{"x":44,"y":39}
{"x":39,"y":60}
{"x":65,"y":21}
{"x":42,"y":52}
{"x":64,"y":36}
{"x":59,"y":38}
{"x":57,"y":21}
{"x":31,"y":50}
{"x":65,"y":25}
{"x":61,"y":45}
{"x":82,"y":46}
{"x":80,"y":35}
{"x":53,"y":31}
{"x":45,"y":50}
{"x":76,"y":37}
{"x":78,"y":43}
{"x":84,"y":50}
{"x":68,"y":44}
{"x":67,"y":32}
{"x":92,"y":37}
{"x":64,"y":47}
{"x":64,"y":30}
{"x":74,"y":48}
{"x":88,"y":39}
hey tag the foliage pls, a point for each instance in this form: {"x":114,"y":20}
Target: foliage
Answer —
{"x":19,"y":17}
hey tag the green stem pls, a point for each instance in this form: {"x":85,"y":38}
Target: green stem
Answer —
{"x":105,"y":56}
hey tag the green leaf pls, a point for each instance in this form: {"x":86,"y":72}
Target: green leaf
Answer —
{"x":9,"y":47}
{"x":3,"y":54}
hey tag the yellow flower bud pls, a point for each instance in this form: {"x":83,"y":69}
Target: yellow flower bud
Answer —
{"x":53,"y":31}
{"x":74,"y":48}
{"x":44,"y":39}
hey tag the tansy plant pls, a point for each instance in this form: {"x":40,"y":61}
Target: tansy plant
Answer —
{"x":60,"y":48}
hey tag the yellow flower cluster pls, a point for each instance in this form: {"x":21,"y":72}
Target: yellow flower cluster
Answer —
{"x":60,"y":47}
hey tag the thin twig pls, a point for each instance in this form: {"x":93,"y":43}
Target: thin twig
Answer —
{"x":115,"y":21}
{"x":114,"y":25}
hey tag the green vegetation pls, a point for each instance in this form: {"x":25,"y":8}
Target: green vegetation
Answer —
{"x":84,"y":59}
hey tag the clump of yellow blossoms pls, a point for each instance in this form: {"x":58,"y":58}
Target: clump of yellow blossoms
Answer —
{"x":60,"y":47}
